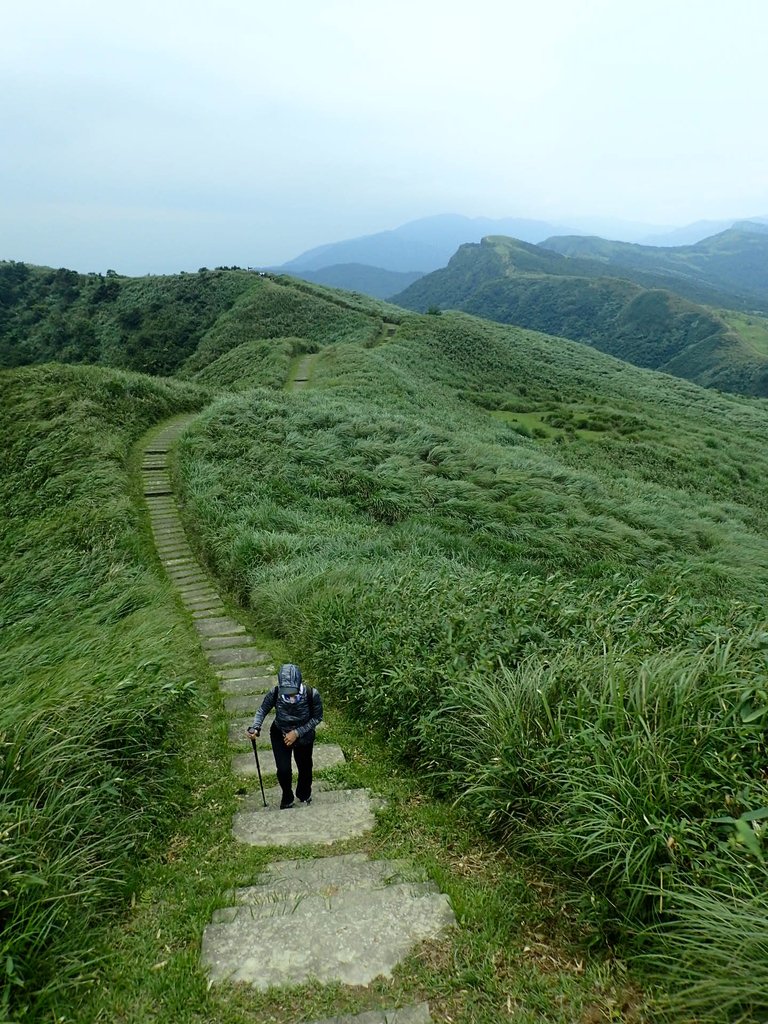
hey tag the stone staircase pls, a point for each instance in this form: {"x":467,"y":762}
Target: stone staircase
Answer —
{"x":361,"y":918}
{"x":333,"y":918}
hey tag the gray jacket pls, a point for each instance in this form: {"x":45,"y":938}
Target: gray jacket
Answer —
{"x":290,"y":715}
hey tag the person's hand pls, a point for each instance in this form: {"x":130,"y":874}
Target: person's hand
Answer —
{"x":290,"y":738}
{"x":253,"y":733}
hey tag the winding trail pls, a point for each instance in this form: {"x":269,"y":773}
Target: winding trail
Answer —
{"x":336,"y":917}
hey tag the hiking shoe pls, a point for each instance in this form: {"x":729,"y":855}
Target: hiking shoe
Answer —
{"x":286,"y":805}
{"x":306,"y":802}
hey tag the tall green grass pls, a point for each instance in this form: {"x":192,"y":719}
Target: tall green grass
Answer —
{"x":95,"y":672}
{"x":566,"y":636}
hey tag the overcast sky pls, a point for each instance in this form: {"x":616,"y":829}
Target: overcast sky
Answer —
{"x":165,"y":135}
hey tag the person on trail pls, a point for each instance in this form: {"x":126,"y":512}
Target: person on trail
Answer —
{"x":298,"y":712}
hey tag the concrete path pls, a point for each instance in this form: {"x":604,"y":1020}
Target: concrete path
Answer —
{"x":333,"y":918}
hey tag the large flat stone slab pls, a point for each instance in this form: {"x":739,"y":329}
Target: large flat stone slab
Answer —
{"x":248,"y":684}
{"x":238,"y":655}
{"x":416,"y":1013}
{"x":213,"y":643}
{"x":225,"y":674}
{"x":284,"y":906}
{"x":324,"y":755}
{"x":219,"y":625}
{"x":327,"y":875}
{"x":246,"y":702}
{"x":200,"y":603}
{"x":207,"y":613}
{"x":359,"y":937}
{"x":332,"y":816}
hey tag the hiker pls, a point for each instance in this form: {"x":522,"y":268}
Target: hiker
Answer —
{"x":298,"y":712}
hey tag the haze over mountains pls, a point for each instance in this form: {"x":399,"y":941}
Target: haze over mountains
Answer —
{"x":426,"y":244}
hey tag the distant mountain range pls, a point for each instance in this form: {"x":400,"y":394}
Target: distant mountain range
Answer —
{"x":624,"y":299}
{"x":733,"y":263}
{"x":370,"y":263}
{"x":357,"y":277}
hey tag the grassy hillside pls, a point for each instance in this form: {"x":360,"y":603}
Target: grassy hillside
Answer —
{"x":96,"y":670}
{"x":734,"y":261}
{"x":539,"y":572}
{"x":565,"y":632}
{"x":164,"y":325}
{"x":512,"y":282}
{"x":150,"y":324}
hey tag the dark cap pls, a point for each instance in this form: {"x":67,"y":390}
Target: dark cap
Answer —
{"x":288,"y":680}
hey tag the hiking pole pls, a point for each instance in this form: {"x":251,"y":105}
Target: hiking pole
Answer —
{"x":258,"y":768}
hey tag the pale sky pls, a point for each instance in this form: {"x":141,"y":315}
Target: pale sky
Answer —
{"x":163,"y":136}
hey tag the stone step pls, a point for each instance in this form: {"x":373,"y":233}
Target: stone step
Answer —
{"x":326,"y":875}
{"x":285,"y":905}
{"x":219,"y":625}
{"x":172,"y":550}
{"x":254,"y":801}
{"x":202,"y":603}
{"x":248,"y":683}
{"x":206,"y":613}
{"x":416,"y":1013}
{"x":192,"y":581}
{"x":168,"y":542}
{"x":324,"y":755}
{"x":237,"y":654}
{"x":212,"y":643}
{"x":323,"y":822}
{"x":364,"y":936}
{"x":194,"y":589}
{"x":226,"y":674}
{"x":188,"y":567}
{"x":245,"y":703}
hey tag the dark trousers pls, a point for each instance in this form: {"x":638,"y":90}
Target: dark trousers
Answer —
{"x":303,"y":756}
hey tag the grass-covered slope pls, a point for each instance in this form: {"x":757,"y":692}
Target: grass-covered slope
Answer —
{"x":734,"y":262}
{"x":164,"y":325}
{"x":565,"y":632}
{"x":512,"y":282}
{"x":149,"y":324}
{"x":95,"y":673}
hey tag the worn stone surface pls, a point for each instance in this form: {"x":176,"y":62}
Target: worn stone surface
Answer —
{"x":326,"y":875}
{"x":198,"y":603}
{"x":417,"y":1013}
{"x":225,"y":674}
{"x":206,"y":613}
{"x":352,"y":938}
{"x":248,"y":684}
{"x":218,"y":625}
{"x":324,"y":755}
{"x":238,"y":655}
{"x":212,"y":643}
{"x":247,"y":702}
{"x":323,"y":822}
{"x":197,"y":590}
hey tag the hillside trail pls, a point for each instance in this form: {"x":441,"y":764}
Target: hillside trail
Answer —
{"x":334,"y":916}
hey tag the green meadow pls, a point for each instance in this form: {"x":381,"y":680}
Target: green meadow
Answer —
{"x":531,"y":572}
